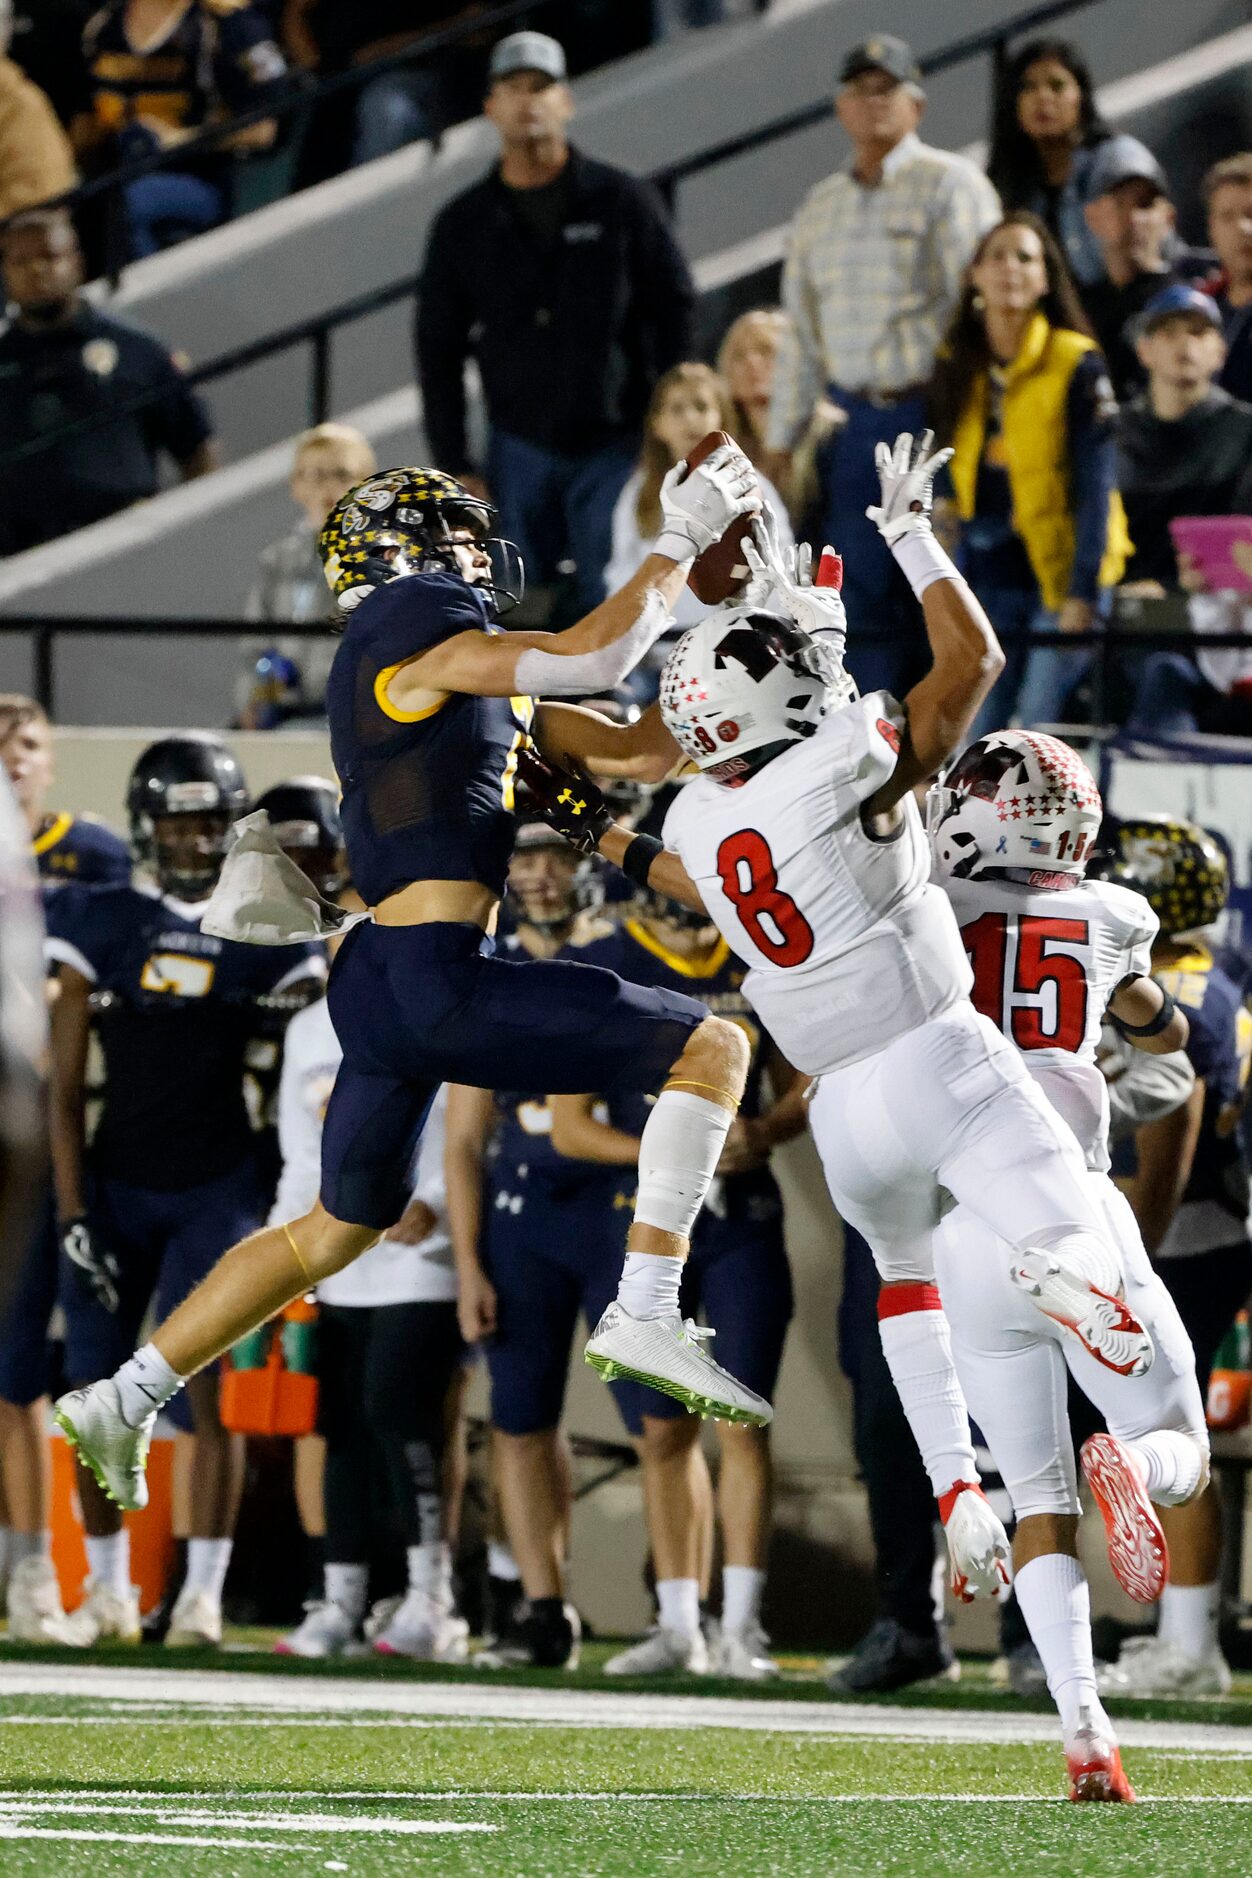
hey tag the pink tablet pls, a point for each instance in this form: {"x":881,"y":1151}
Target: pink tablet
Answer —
{"x":1221,"y":544}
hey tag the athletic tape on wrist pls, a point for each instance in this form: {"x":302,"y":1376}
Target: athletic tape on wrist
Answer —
{"x":922,"y":560}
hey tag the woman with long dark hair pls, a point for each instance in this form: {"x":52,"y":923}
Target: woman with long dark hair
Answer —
{"x":1045,"y":130}
{"x":1022,"y":394}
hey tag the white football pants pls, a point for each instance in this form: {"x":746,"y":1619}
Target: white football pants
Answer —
{"x":1011,"y":1360}
{"x":950,"y":1106}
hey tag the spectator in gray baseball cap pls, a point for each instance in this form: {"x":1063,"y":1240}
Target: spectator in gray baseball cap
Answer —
{"x":562,"y":278}
{"x":1129,"y":212}
{"x":876,"y":257}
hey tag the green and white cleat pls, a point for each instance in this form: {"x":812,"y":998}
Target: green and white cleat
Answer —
{"x":665,"y":1353}
{"x":92,"y":1422}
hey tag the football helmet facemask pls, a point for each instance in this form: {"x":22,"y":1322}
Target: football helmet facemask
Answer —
{"x":304,"y":816}
{"x":409,"y":521}
{"x":1015,"y":804}
{"x":551,"y":911}
{"x":743,"y":684}
{"x":181,"y":778}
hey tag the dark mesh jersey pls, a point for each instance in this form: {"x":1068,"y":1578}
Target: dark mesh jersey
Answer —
{"x":427,"y":795}
{"x":176,"y":1010}
{"x":79,"y":848}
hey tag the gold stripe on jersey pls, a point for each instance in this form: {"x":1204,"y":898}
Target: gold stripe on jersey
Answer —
{"x":707,"y":967}
{"x":56,"y":830}
{"x":437,"y":698}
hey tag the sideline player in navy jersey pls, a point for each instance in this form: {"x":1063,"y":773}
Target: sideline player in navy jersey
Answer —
{"x":170,"y":1175}
{"x":429,"y":705}
{"x":1190,"y":1196}
{"x":65,"y":847}
{"x":519,"y":1221}
{"x":737,"y":1275}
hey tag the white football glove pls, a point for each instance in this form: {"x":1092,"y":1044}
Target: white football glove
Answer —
{"x":698,"y":507}
{"x":907,"y":473}
{"x":782,"y":582}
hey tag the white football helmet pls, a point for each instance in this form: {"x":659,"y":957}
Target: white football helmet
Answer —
{"x":1018,"y":802}
{"x":743,"y":679}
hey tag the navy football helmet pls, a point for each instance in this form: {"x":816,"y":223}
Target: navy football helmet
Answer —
{"x":190,"y":779}
{"x":304,"y":815}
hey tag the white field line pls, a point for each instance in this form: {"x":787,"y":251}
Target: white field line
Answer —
{"x":145,"y":1838}
{"x":328,"y":1697}
{"x":209,"y":1815}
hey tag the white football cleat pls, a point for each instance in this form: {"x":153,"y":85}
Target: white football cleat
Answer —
{"x":1094,"y":1762}
{"x":36,"y":1614}
{"x":664,"y":1352}
{"x":1148,"y":1666}
{"x":196,"y":1621}
{"x":662,"y":1653}
{"x":1136,"y":1540}
{"x":426,"y":1629}
{"x":92,"y":1422}
{"x":978,"y":1546}
{"x":327,"y":1630}
{"x":107,"y":1615}
{"x":1101,"y":1321}
{"x":743,"y":1655}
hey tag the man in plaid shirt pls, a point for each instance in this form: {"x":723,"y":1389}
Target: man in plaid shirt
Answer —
{"x":874,"y":268}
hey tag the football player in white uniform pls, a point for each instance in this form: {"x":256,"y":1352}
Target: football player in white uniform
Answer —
{"x":801,"y":838}
{"x":1012,"y":826}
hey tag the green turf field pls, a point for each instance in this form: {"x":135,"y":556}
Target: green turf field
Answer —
{"x":129,"y":1766}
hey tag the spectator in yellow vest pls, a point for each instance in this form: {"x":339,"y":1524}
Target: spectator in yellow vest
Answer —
{"x":1022,"y":393}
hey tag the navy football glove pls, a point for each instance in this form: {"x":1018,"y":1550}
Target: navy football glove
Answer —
{"x":95,"y":1266}
{"x":565,"y":798}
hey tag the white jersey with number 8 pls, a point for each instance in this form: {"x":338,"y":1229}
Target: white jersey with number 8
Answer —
{"x":849,"y":945}
{"x":1046,"y":961}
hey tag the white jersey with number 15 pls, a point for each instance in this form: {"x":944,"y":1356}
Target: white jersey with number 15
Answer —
{"x":848,"y":944}
{"x":1046,"y":961}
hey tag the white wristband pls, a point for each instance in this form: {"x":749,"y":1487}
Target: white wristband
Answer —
{"x":922,"y":560}
{"x":674,"y":547}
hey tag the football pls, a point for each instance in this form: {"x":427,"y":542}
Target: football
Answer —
{"x":721,"y":571}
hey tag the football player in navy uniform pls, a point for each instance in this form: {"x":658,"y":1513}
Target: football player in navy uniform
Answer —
{"x":737,"y":1276}
{"x":65,"y":847}
{"x":518,"y":1222}
{"x":169,"y":1177}
{"x":1190,"y":1196}
{"x":429,"y":704}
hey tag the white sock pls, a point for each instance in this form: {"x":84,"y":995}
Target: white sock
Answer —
{"x":917,"y":1344}
{"x":742,"y":1590}
{"x":348,"y":1586}
{"x":145,"y":1382}
{"x":207,"y":1564}
{"x":501,"y":1562}
{"x":1189,"y":1619}
{"x":430,"y":1570}
{"x":108,"y":1561}
{"x":1056,"y":1604}
{"x":649,"y":1284}
{"x":679,"y":1149}
{"x":24,"y":1545}
{"x":1170,"y":1464}
{"x":679,"y":1603}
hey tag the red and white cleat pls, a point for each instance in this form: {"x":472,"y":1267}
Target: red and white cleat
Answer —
{"x":978,"y":1546}
{"x":1137,"y":1549}
{"x":1095,"y":1765}
{"x":1103,"y":1323}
